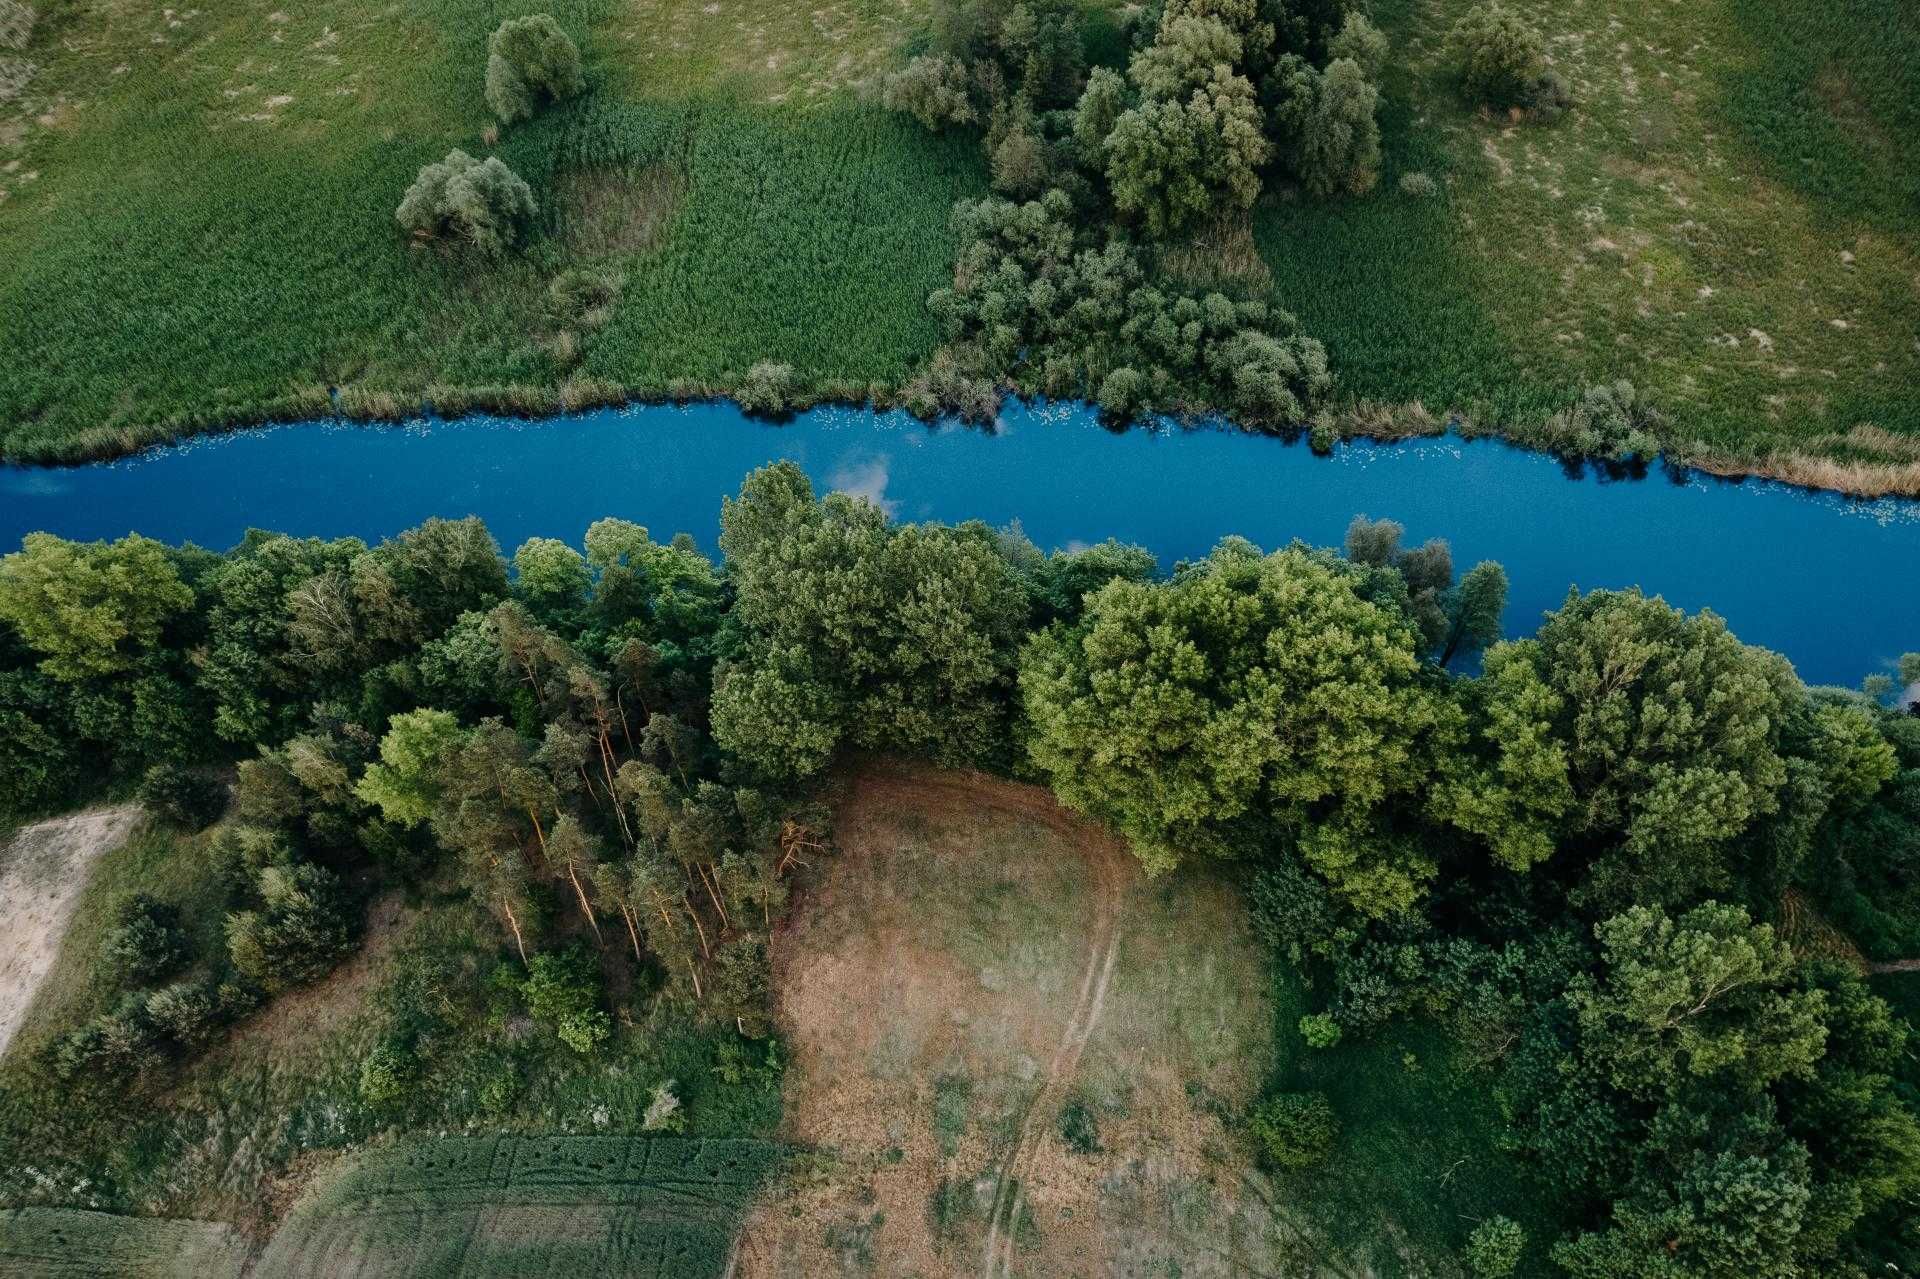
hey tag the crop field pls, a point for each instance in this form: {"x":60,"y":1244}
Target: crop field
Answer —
{"x":599,"y":1205}
{"x":64,"y":1243}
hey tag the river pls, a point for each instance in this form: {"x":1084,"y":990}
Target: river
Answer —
{"x":1831,"y":582}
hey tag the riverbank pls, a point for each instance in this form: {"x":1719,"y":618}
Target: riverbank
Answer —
{"x":195,"y":242}
{"x":1766,"y":556}
{"x":1884,"y":465}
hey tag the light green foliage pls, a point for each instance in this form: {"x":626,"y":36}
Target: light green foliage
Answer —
{"x":1293,"y":1131}
{"x":406,"y":784}
{"x":551,"y":576}
{"x":934,"y":89}
{"x":1497,"y":54}
{"x":768,"y":388}
{"x":1855,"y":760}
{"x":1494,"y":1248}
{"x":1624,"y":719}
{"x":386,"y":1074}
{"x":1910,"y":669}
{"x":1478,"y":603}
{"x":1695,"y":996}
{"x":1183,"y":56}
{"x":1094,"y":116}
{"x":90,"y":607}
{"x":1613,"y":420}
{"x":1328,"y":119}
{"x":1360,"y":42}
{"x":1320,"y":1030}
{"x":887,"y":637}
{"x":1248,"y":691}
{"x":481,"y":202}
{"x":530,"y":62}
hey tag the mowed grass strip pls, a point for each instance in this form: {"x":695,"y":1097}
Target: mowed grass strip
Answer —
{"x":64,"y":1243}
{"x":507,"y":1205}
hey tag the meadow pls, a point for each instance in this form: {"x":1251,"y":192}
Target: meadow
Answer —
{"x":196,"y":211}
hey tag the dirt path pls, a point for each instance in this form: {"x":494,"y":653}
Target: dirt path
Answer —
{"x":42,"y":872}
{"x":1896,"y":966}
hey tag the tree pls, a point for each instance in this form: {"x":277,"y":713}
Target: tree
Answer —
{"x":407,"y":783}
{"x":893,"y":638}
{"x":187,"y":799}
{"x":1175,"y":162}
{"x":1651,"y":736}
{"x":934,"y":89}
{"x":1248,"y":692}
{"x":1360,"y":42}
{"x":481,"y":202}
{"x":551,"y":576}
{"x":1094,"y":116}
{"x":1333,"y":137}
{"x":1498,"y":56}
{"x":146,"y":941}
{"x":90,"y":608}
{"x":564,"y":991}
{"x":1679,"y":999}
{"x":1295,"y":1130}
{"x":530,"y":62}
{"x":1477,"y":605}
{"x":1494,"y":1248}
{"x":301,"y":930}
{"x":767,"y":388}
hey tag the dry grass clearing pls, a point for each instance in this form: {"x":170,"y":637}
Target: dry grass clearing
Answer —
{"x":1014,"y":1054}
{"x":43,"y":871}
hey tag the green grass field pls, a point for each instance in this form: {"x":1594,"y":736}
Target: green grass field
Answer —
{"x":196,"y":209}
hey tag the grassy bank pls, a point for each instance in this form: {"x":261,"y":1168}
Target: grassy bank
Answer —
{"x":197,"y":213}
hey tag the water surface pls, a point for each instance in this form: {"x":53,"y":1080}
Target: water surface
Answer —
{"x":1828,"y":581}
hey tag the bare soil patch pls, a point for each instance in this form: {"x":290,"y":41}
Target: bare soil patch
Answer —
{"x":43,"y":870}
{"x":975,"y":965}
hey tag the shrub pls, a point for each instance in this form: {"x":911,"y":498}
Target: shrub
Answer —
{"x":1079,"y":1128}
{"x":1295,"y":1129}
{"x":933,"y":89}
{"x":301,"y":932}
{"x":16,"y":24}
{"x":530,"y":62}
{"x":1361,"y":41}
{"x":387,"y":1074}
{"x":1333,"y":137}
{"x":146,"y":941}
{"x":1614,"y":420}
{"x":1418,"y":185}
{"x":664,"y":1112}
{"x":768,"y":388}
{"x":563,"y":991}
{"x":480,"y":201}
{"x":189,"y":1013}
{"x":184,"y":798}
{"x":1320,"y":1030}
{"x":1498,"y":56}
{"x":1494,"y":1248}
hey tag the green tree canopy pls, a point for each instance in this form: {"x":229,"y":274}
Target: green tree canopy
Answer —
{"x":89,"y":607}
{"x":1249,"y":692}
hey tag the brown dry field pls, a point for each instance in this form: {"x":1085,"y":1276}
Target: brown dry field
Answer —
{"x":971,"y":961}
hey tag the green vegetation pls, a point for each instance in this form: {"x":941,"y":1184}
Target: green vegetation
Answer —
{"x":1720,"y":213}
{"x":1545,"y":940}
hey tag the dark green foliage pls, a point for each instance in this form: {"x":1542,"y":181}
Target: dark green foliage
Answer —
{"x":1294,"y":1130}
{"x":147,"y":942}
{"x":302,"y":927}
{"x":563,"y":991}
{"x":188,"y":799}
{"x":1059,"y":314}
{"x":1080,"y":1127}
{"x":530,"y":63}
{"x":1497,"y":54}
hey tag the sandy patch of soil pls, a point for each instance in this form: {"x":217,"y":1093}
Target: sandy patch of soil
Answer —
{"x":974,"y":964}
{"x":42,"y":872}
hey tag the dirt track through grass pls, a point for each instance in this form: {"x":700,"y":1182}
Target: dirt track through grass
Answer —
{"x":43,"y":871}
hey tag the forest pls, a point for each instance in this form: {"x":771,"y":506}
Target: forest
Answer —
{"x":1593,"y":866}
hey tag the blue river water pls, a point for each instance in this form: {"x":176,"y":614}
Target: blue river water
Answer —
{"x":1830,"y":582}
